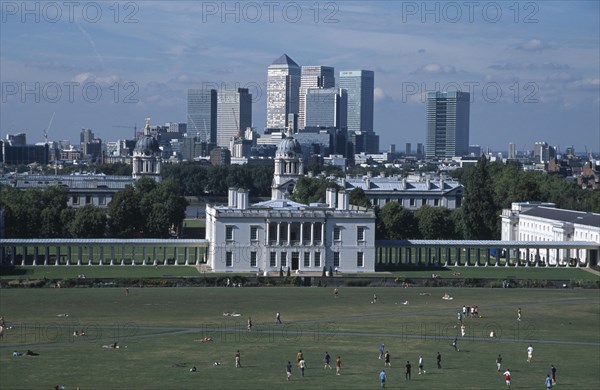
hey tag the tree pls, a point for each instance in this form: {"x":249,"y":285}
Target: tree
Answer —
{"x":396,"y":223}
{"x":88,"y":222}
{"x":480,"y":209}
{"x":435,"y":223}
{"x":125,"y":216}
{"x":359,"y":198}
{"x":311,"y":190}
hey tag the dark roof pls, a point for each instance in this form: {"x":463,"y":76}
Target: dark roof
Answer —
{"x":284,"y":60}
{"x":579,"y":217}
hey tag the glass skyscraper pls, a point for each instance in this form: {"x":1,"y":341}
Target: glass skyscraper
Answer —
{"x":447,"y":124}
{"x":313,"y":77}
{"x":234,"y":114}
{"x":360,"y":86}
{"x":283,"y":86}
{"x":202,"y":115}
{"x":325,"y":108}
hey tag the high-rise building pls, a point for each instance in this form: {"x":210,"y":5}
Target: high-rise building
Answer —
{"x":447,"y":124}
{"x":408,"y":149}
{"x":313,"y":77}
{"x":234,"y":114}
{"x":512,"y":151}
{"x":325,"y":108}
{"x":360,"y":86}
{"x":283,"y":88}
{"x":202,"y":115}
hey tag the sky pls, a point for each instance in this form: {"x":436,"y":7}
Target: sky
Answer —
{"x":532,"y":67}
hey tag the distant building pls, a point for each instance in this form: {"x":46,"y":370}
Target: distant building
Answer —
{"x":512,"y":151}
{"x":410,"y":193}
{"x":447,"y":124}
{"x":313,"y":77}
{"x":537,"y":221}
{"x":279,"y":234}
{"x":360,"y":86}
{"x":147,"y":157}
{"x":283,"y":91}
{"x":202,"y":115}
{"x":234,"y":114}
{"x":15,"y":151}
{"x":220,"y":156}
{"x":325,"y":108}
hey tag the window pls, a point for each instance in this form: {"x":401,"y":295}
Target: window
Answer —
{"x":337,"y":233}
{"x":101,"y":199}
{"x":360,"y":233}
{"x":317,"y":259}
{"x":284,"y":259}
{"x":336,"y":259}
{"x":252,"y":259}
{"x":75,"y":199}
{"x":360,"y":259}
{"x":229,"y":233}
{"x":412,"y":202}
{"x":229,"y":259}
{"x":436,"y":202}
{"x":307,"y":259}
{"x":253,"y":233}
{"x":423,"y":202}
{"x":88,"y":199}
{"x":273,"y":259}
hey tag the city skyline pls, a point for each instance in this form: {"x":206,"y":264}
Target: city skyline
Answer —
{"x":531,"y":68}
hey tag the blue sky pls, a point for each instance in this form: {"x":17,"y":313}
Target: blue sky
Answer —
{"x":533,"y":67}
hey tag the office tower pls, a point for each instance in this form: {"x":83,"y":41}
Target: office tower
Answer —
{"x":408,"y":149}
{"x":420,"y":151}
{"x":447,"y":124}
{"x":313,"y":77}
{"x":360,"y":85}
{"x":202,"y":115}
{"x":540,"y":152}
{"x":234,"y":114}
{"x":325,"y":108}
{"x":283,"y":88}
{"x":86,"y":135}
{"x":512,"y":151}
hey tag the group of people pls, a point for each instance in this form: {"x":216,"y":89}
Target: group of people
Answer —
{"x":470,"y":311}
{"x":301,"y":364}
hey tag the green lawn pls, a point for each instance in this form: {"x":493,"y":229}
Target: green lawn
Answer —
{"x":161,"y":329}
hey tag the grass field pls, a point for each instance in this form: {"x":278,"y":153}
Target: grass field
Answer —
{"x":158,"y":330}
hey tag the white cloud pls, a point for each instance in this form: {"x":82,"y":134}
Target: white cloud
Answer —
{"x":533,"y":45}
{"x":436,"y":69}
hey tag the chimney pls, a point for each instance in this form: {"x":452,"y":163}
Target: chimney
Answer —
{"x":403,"y":183}
{"x":232,"y":198}
{"x":330,"y":197}
{"x":343,"y":200}
{"x":242,"y":199}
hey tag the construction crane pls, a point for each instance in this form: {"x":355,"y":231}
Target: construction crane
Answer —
{"x":134,"y":127}
{"x":48,"y":128}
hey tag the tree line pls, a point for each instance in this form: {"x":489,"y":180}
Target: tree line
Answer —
{"x":146,"y":209}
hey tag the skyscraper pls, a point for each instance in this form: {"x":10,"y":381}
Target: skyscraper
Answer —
{"x":202,"y":115}
{"x":512,"y":151}
{"x":283,"y":88}
{"x":447,"y":124}
{"x":313,"y":77}
{"x":325,"y":108}
{"x":234,"y":114}
{"x":360,"y":86}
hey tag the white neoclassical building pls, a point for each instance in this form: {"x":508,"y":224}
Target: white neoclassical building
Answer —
{"x":280,"y":233}
{"x":536,"y":221}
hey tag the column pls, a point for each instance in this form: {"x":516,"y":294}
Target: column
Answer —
{"x":301,"y":233}
{"x":79,"y":254}
{"x":69,"y":255}
{"x":186,"y":255}
{"x":278,"y":233}
{"x":468,"y":259}
{"x":323,"y":233}
{"x":312,"y":233}
{"x":90,"y":255}
{"x":102,"y":255}
{"x":36,"y":251}
{"x":24,"y":256}
{"x":477,"y":257}
{"x":268,"y":234}
{"x":289,"y":234}
{"x":57,"y":261}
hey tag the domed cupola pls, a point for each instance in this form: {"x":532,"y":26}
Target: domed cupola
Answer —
{"x":289,"y":167}
{"x":147,"y":156}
